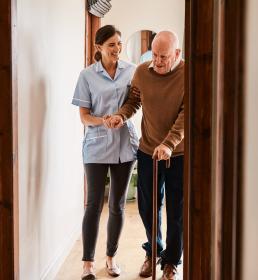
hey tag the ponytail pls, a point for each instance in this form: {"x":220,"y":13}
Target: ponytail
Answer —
{"x":97,"y":56}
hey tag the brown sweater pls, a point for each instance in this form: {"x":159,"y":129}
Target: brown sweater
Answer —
{"x":161,"y":97}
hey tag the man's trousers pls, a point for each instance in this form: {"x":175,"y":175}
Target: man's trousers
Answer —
{"x":170,"y":188}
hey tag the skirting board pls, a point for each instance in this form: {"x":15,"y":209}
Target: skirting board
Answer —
{"x":52,"y":268}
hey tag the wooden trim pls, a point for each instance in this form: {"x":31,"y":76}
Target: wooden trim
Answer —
{"x":187,"y":154}
{"x":92,"y":24}
{"x":88,"y":38}
{"x":234,"y":30}
{"x":145,"y":40}
{"x":198,"y":156}
{"x":15,"y":141}
{"x":95,"y":25}
{"x":9,"y":214}
{"x":217,"y":144}
{"x":214,"y":139}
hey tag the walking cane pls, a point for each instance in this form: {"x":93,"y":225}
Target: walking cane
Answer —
{"x":154,"y":215}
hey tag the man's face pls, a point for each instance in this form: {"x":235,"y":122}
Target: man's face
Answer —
{"x":164,"y":57}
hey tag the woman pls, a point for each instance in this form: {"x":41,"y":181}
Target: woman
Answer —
{"x":101,"y":89}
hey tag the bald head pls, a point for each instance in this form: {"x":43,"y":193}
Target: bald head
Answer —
{"x":165,"y":51}
{"x":166,"y":39}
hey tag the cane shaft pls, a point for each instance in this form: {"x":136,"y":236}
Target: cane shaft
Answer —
{"x":154,"y":218}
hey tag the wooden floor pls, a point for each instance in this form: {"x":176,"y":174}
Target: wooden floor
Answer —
{"x":130,"y":256}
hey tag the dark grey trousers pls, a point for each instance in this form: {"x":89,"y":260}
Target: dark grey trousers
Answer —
{"x":96,"y":175}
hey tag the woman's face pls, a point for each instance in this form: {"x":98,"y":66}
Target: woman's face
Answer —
{"x":111,"y":49}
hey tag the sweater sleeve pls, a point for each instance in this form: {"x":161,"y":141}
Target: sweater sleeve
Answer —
{"x":133,"y":102}
{"x":176,"y":133}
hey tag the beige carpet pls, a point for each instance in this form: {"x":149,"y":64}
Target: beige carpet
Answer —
{"x":130,"y":255}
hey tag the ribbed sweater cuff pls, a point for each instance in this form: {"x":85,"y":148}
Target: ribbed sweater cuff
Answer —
{"x":169,"y":145}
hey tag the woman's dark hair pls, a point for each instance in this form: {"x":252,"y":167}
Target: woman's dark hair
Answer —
{"x":102,"y":35}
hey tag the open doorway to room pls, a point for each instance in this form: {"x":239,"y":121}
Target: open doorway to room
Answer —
{"x":136,"y":43}
{"x":214,"y":74}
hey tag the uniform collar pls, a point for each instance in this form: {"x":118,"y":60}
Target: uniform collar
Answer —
{"x":99,"y":67}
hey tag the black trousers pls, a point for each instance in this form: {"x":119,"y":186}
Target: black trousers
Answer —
{"x":96,"y":173}
{"x":170,"y":185}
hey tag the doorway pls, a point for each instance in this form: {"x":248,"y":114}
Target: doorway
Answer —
{"x":214,"y":116}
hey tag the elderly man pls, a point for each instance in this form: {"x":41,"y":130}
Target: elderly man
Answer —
{"x":160,"y":83}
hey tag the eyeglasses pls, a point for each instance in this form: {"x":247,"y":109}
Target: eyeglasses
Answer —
{"x":162,"y":58}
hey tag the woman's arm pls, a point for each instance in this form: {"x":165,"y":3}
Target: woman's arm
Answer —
{"x":87,"y":119}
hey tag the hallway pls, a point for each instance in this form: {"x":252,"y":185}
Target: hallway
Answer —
{"x":130,"y":255}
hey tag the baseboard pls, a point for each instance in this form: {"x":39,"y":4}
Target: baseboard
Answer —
{"x":54,"y":266}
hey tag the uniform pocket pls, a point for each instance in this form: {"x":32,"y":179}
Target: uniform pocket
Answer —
{"x":94,"y":138}
{"x":95,"y":144}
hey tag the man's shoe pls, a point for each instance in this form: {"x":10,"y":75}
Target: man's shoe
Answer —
{"x":146,"y":269}
{"x":169,"y":272}
{"x":113,"y":271}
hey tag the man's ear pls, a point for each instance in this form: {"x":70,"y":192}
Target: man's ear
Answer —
{"x":178,"y":51}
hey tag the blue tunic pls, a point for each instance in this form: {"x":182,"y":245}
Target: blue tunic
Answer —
{"x":103,"y":95}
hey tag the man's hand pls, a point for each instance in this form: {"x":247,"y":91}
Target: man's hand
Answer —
{"x":162,"y":152}
{"x":115,"y":121}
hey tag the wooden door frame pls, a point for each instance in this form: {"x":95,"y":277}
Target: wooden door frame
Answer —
{"x":213,"y":139}
{"x":92,"y":24}
{"x":213,"y":116}
{"x":9,"y":213}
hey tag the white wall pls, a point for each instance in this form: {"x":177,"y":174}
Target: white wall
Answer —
{"x":134,"y":15}
{"x":50,"y":56}
{"x":250,"y":242}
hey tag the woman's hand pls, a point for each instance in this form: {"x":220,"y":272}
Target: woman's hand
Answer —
{"x":106,"y":121}
{"x":89,"y":120}
{"x":115,"y":121}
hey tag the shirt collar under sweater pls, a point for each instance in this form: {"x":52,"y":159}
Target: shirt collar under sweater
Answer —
{"x":172,"y":68}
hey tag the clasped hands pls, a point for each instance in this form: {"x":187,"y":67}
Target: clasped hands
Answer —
{"x":113,"y":121}
{"x":116,"y":121}
{"x":161,"y":152}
